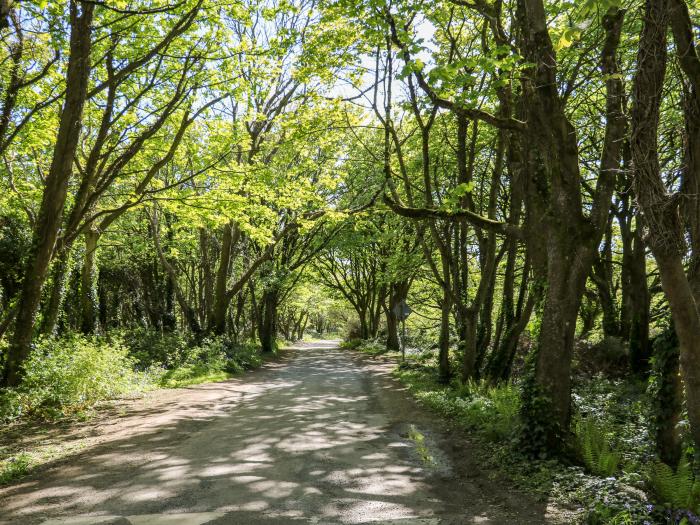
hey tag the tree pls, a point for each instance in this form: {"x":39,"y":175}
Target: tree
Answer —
{"x":659,"y":208}
{"x":56,"y":188}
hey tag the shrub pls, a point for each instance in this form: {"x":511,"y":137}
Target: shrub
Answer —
{"x":246,"y":356}
{"x":594,"y":448}
{"x":154,"y":348}
{"x":421,"y":339}
{"x":372,"y":347}
{"x":214,"y":359}
{"x":351,"y":344}
{"x":72,"y":374}
{"x":203,"y":363}
{"x":622,"y":408}
{"x":353,"y":330}
{"x":492,"y":411}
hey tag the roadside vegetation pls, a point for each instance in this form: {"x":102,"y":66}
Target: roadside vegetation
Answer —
{"x":72,"y":375}
{"x":74,"y":378}
{"x":609,"y":473}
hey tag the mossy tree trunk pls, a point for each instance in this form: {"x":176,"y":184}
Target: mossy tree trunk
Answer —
{"x":667,"y":397}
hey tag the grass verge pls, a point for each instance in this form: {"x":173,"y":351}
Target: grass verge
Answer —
{"x":73,"y":379}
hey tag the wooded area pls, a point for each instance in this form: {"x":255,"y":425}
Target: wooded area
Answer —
{"x":186,"y":183}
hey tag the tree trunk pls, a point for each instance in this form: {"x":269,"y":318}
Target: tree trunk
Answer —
{"x":188,"y":313}
{"x":444,"y":372}
{"x":378,"y":298}
{"x":501,"y":363}
{"x":299,"y":327}
{"x":467,"y":342}
{"x":149,"y":289}
{"x":691,"y":183}
{"x":221,"y":298}
{"x":255,"y":312}
{"x":668,"y":398}
{"x":687,"y":326}
{"x":103,"y":302}
{"x":398,"y":294}
{"x":236,"y":324}
{"x":364,"y":326}
{"x":588,"y":312}
{"x":88,"y":293}
{"x":393,"y":344}
{"x":556,"y":342}
{"x":570,"y":238}
{"x":207,"y":276}
{"x":485,"y":329}
{"x":168,"y":319}
{"x":602,"y":276}
{"x":507,"y":312}
{"x":49,"y":319}
{"x":268,"y":326}
{"x":689,"y":58}
{"x":55,"y":190}
{"x":659,"y":209}
{"x":640,"y":301}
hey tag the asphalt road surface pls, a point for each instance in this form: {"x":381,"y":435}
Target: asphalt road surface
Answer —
{"x":322,"y":436}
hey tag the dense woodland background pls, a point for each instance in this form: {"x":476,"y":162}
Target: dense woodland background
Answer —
{"x":185,"y":183}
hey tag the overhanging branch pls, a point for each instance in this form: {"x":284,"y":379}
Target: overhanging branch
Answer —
{"x":475,"y":219}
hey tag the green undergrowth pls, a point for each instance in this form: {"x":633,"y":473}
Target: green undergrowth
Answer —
{"x":490,"y":412}
{"x":371,"y":347}
{"x":676,"y":487}
{"x":606,"y":483}
{"x":69,"y":376}
{"x":213,"y":360}
{"x":15,"y":467}
{"x":595,"y":449}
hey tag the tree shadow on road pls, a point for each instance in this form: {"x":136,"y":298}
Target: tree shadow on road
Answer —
{"x":309,"y":440}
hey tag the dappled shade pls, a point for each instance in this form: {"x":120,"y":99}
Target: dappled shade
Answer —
{"x":312,"y":439}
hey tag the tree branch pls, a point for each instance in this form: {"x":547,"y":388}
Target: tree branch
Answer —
{"x":475,"y":219}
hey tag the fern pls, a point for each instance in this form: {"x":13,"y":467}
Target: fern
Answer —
{"x":595,"y":450}
{"x":493,"y":410}
{"x":678,"y":489}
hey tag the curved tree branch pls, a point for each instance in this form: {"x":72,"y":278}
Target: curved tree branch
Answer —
{"x":475,"y":219}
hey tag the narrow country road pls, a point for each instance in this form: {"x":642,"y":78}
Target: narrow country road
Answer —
{"x":323,"y":436}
